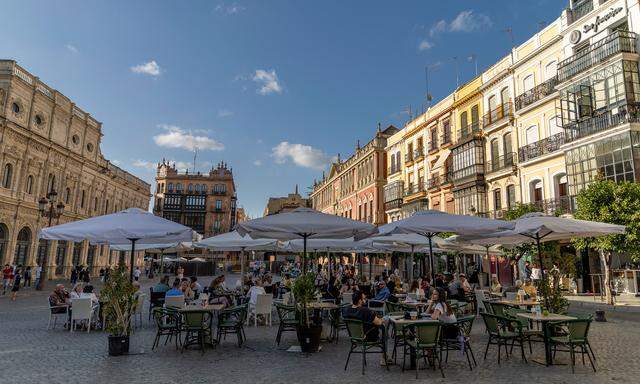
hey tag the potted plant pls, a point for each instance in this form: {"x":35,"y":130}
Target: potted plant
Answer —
{"x":304,"y":291}
{"x":118,"y":309}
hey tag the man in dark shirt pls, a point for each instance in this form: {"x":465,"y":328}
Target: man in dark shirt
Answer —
{"x":359,"y":311}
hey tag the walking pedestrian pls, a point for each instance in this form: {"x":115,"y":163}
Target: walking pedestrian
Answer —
{"x":7,"y":271}
{"x":136,"y":274}
{"x":27,"y":277}
{"x":17,"y":278}
{"x":74,"y":276}
{"x":38,"y":274}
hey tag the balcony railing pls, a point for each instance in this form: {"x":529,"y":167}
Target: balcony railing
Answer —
{"x":469,"y":130}
{"x":619,"y":41}
{"x":556,"y":206}
{"x":412,"y":189}
{"x":393,"y":204}
{"x":418,"y":153}
{"x":500,"y":163}
{"x":393,"y":170}
{"x":445,"y":138}
{"x":502,"y":111}
{"x":408,"y":157}
{"x":433,"y":145}
{"x":579,"y":10}
{"x":538,"y":92}
{"x":541,"y":147}
{"x":602,"y":121}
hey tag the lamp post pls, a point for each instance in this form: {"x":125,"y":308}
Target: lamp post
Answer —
{"x":48,"y":209}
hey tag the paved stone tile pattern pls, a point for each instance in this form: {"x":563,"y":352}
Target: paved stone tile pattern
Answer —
{"x":31,"y":354}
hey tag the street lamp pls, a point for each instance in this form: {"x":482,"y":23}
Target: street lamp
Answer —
{"x":49,"y":209}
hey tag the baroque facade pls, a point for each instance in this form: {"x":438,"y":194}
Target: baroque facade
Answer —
{"x":205,"y":202}
{"x":49,"y":144}
{"x":354,"y":187}
{"x":285,"y":203}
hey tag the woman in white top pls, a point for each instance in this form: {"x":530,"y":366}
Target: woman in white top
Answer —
{"x":254,"y":291}
{"x":76,"y":293}
{"x":439,"y":309}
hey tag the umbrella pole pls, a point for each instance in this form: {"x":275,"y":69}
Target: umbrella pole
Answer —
{"x":411,"y":265}
{"x":304,"y":253}
{"x":242,"y":270}
{"x":162,"y":261}
{"x":542,"y":275}
{"x":370,"y":267}
{"x":431,"y":258}
{"x":133,"y":250}
{"x":329,"y":270}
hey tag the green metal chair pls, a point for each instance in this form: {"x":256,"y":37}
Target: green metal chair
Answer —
{"x":396,"y":334}
{"x":576,"y":338}
{"x":424,"y":339}
{"x":231,"y":321}
{"x":462,"y":342}
{"x":487,"y":306}
{"x":287,"y":320}
{"x":360,"y":343}
{"x":168,"y":325}
{"x":196,"y":326}
{"x":502,"y":331}
{"x":498,"y":308}
{"x":337,"y":322}
{"x":393,"y":307}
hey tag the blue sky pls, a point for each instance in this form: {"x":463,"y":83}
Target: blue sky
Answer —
{"x":274,"y":88}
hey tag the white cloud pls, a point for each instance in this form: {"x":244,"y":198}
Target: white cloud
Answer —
{"x":302,"y":155}
{"x":438,"y":27}
{"x":230,"y":9}
{"x":468,"y":21}
{"x":257,"y":163}
{"x":138,"y":163}
{"x":268,"y":81}
{"x":71,"y":48}
{"x":424,"y":45}
{"x":150,"y":68}
{"x":224,"y":113}
{"x":176,"y":137}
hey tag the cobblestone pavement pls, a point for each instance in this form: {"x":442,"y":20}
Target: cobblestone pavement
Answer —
{"x":31,"y":354}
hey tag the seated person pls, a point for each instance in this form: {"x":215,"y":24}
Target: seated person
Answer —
{"x":383,"y":293}
{"x":76,"y":292}
{"x":440,"y":310}
{"x":530,"y":289}
{"x":254,"y":291}
{"x":87,"y":291}
{"x":163,"y":285}
{"x":496,"y":288}
{"x":59,"y":298}
{"x":175,"y":291}
{"x":195,"y":286}
{"x":185,"y":287}
{"x":358,"y":311}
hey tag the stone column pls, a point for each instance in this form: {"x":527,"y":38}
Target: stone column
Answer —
{"x":84,"y":251}
{"x":68,"y":260}
{"x":51,"y":259}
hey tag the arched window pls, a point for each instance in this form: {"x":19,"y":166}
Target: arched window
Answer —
{"x":170,"y":188}
{"x":197,"y":188}
{"x":550,"y":70}
{"x":4,"y":240}
{"x":82,"y":196}
{"x":179,"y":187}
{"x":535,"y":190}
{"x":29,"y":187}
{"x":532,"y":134}
{"x":67,"y":196}
{"x":527,"y":83}
{"x":475,"y":116}
{"x":504,"y":95}
{"x":511,"y":196}
{"x":497,"y":199}
{"x":204,"y":188}
{"x":464,"y":122}
{"x":190,"y":188}
{"x":398,"y":163}
{"x":393,"y":163}
{"x":491,"y":103}
{"x":51,"y":183}
{"x":7,"y":176}
{"x":95,"y":204}
{"x":507,"y":147}
{"x":22,"y":246}
{"x":495,"y":153}
{"x":554,"y":128}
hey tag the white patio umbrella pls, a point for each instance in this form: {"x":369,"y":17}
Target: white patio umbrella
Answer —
{"x":430,"y":223}
{"x":163,"y":248}
{"x":539,"y":227}
{"x":235,"y":242}
{"x":131,"y":225}
{"x":305,"y":224}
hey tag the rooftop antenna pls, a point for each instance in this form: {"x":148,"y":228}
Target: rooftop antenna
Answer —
{"x":195,"y":154}
{"x":455,"y":59}
{"x":426,"y":80}
{"x":473,"y":57}
{"x":509,"y":32}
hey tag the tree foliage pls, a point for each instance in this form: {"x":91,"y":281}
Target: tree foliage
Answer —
{"x":615,"y":203}
{"x":120,"y":302}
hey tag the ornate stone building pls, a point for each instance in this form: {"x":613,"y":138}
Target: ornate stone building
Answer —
{"x":204,"y":202}
{"x":49,"y":144}
{"x":354,"y":187}
{"x":285,"y":203}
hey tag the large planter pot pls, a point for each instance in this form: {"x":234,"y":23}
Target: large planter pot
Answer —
{"x":309,"y":338}
{"x":118,"y":345}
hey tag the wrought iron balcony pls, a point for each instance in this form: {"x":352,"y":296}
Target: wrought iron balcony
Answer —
{"x":471,"y":129}
{"x":617,"y":42}
{"x":499,"y":113}
{"x":601,"y":121}
{"x":436,"y":181}
{"x":393,"y":170}
{"x":556,"y":206}
{"x":412,"y":189}
{"x":408,"y":157}
{"x":445,"y":138}
{"x":418,"y":153}
{"x":579,"y":10}
{"x":433,"y":145}
{"x":541,"y":147}
{"x":500,"y":163}
{"x":538,"y":92}
{"x":393,"y":204}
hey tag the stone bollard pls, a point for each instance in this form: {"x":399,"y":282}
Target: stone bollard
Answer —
{"x":600,"y":316}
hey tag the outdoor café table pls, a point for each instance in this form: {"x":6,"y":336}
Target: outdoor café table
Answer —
{"x":544,"y":320}
{"x":401,"y":321}
{"x":323,"y":306}
{"x":516,"y":303}
{"x":211,"y":308}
